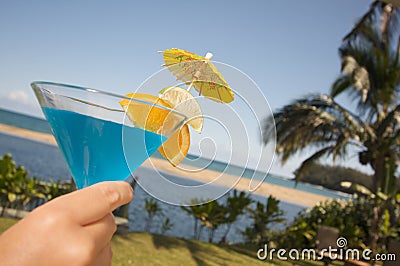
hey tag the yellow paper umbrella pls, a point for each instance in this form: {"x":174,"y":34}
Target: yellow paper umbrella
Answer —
{"x":198,"y":72}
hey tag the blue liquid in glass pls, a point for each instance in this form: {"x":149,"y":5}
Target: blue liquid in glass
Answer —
{"x":94,"y":148}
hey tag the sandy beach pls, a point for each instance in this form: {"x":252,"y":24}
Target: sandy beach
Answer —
{"x":282,"y":193}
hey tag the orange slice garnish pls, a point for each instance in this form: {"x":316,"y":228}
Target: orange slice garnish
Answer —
{"x":153,"y":118}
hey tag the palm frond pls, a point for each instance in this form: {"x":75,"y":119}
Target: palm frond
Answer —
{"x":372,"y":68}
{"x":340,"y":85}
{"x":384,"y":14}
{"x":316,"y":121}
{"x":389,"y":20}
{"x":390,"y":126}
{"x":361,"y":22}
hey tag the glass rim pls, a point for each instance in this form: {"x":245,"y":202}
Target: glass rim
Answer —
{"x":91,"y":90}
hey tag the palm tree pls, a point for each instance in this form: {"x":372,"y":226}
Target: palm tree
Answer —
{"x":195,"y":210}
{"x":371,"y":72}
{"x":235,"y":206}
{"x":382,"y":11}
{"x":263,"y":217}
{"x":212,"y":216}
{"x":371,"y":75}
{"x":152,"y":208}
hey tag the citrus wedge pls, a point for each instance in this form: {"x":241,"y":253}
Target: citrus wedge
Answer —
{"x":144,"y":115}
{"x":184,"y":102}
{"x":177,"y":146}
{"x":152,"y":118}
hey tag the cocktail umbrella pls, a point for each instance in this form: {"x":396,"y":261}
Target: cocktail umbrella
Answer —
{"x":198,"y":72}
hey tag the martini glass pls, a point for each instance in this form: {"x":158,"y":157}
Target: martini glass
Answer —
{"x":94,"y":135}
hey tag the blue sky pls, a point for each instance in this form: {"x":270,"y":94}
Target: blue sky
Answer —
{"x":289,"y":48}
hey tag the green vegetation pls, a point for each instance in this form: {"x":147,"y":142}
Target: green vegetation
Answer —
{"x":350,"y":217}
{"x":166,"y":226}
{"x":19,"y":191}
{"x":331,"y":177}
{"x":263,"y":216}
{"x":6,"y":223}
{"x":370,"y":56}
{"x":145,"y":249}
{"x":152,"y":209}
{"x":236,"y":204}
{"x":213,"y":214}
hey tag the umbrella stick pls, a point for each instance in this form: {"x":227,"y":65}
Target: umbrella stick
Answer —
{"x":191,"y":85}
{"x":208,"y":57}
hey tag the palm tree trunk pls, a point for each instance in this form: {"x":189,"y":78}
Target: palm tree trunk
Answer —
{"x":223,"y":239}
{"x":195,"y":228}
{"x":3,"y":210}
{"x":211,"y":234}
{"x":374,"y":234}
{"x":199,"y":232}
{"x":379,"y":173}
{"x":379,"y":167}
{"x":148,"y":224}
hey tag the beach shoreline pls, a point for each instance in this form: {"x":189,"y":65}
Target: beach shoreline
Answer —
{"x":285,"y":194}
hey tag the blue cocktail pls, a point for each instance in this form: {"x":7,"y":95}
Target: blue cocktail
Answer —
{"x":94,"y":135}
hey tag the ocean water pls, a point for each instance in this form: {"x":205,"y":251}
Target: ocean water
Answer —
{"x":46,"y":161}
{"x":24,"y":121}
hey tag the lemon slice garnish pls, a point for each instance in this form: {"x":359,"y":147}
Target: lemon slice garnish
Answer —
{"x":152,"y":118}
{"x":184,"y":102}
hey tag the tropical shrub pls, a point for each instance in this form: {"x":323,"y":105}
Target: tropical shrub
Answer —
{"x":263,"y":217}
{"x":19,"y":191}
{"x":16,"y":188}
{"x":351,"y":217}
{"x":213,"y":214}
{"x":153,"y":209}
{"x":166,"y":226}
{"x":235,"y":205}
{"x":208,"y":215}
{"x":194,"y":209}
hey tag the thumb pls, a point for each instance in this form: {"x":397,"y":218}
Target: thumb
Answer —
{"x":94,"y":202}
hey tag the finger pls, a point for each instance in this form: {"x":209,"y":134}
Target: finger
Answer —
{"x":104,"y":257}
{"x":94,"y":202}
{"x":101,"y":231}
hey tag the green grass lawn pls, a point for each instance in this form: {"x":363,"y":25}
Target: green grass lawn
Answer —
{"x":148,"y":249}
{"x":5,"y":223}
